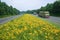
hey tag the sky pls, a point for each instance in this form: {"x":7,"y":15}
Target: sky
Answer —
{"x":24,"y":5}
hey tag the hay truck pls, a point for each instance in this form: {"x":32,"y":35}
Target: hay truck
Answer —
{"x":44,"y":14}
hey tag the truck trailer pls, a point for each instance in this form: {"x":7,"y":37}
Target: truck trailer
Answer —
{"x":44,"y":14}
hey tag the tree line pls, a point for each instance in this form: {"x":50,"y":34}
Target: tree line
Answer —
{"x":7,"y":10}
{"x":53,"y":8}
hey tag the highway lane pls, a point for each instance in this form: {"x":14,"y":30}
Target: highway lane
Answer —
{"x":4,"y":20}
{"x":53,"y":19}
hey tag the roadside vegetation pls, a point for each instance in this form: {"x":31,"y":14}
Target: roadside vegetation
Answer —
{"x":29,"y":27}
{"x":6,"y":10}
{"x":53,"y":8}
{"x":56,"y":25}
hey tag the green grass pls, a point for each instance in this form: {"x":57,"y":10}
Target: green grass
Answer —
{"x":56,"y":25}
{"x":29,"y":27}
{"x":2,"y":16}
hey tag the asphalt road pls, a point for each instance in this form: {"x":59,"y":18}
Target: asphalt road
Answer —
{"x":53,"y":19}
{"x":4,"y":20}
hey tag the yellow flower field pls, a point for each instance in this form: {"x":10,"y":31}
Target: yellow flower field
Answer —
{"x":28,"y":27}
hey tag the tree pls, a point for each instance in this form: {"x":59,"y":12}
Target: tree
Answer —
{"x":43,"y":9}
{"x":56,"y":8}
{"x":7,"y":10}
{"x":49,"y":7}
{"x":0,"y":0}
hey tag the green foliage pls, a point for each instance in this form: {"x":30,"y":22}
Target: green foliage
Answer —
{"x":29,"y":11}
{"x":56,"y":8}
{"x":53,"y":8}
{"x":7,"y":10}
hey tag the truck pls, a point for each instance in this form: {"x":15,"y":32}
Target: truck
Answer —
{"x":44,"y":14}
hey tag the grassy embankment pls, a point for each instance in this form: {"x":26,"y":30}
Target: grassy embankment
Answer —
{"x":51,"y":22}
{"x":3,"y":16}
{"x":29,"y":27}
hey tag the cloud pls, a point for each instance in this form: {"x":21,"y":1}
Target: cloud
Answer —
{"x":27,"y":4}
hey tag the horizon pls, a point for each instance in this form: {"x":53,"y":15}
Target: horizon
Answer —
{"x":24,"y":5}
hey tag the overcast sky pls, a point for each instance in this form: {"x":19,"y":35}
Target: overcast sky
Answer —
{"x":24,"y":5}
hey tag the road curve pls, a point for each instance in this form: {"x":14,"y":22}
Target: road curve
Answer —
{"x":4,"y":20}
